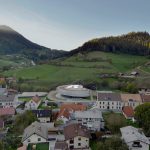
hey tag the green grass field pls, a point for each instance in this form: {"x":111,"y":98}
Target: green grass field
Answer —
{"x":78,"y":68}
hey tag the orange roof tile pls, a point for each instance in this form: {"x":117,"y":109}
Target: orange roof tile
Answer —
{"x":128,"y":111}
{"x":65,"y":109}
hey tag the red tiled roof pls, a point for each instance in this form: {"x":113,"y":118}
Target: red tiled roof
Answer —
{"x":128,"y":111}
{"x":73,"y":130}
{"x":65,"y":109}
{"x":7,"y":111}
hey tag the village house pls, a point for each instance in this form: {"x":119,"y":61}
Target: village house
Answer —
{"x":33,"y":103}
{"x":67,"y":109}
{"x":132,"y":100}
{"x":108,"y":101}
{"x":77,"y":136}
{"x":3,"y":91}
{"x":145,"y":98}
{"x":44,"y":116}
{"x":35,"y":133}
{"x":145,"y":91}
{"x":7,"y":101}
{"x":92,"y":119}
{"x":134,"y":138}
{"x":128,"y":112}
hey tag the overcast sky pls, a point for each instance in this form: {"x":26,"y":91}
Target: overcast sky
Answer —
{"x":67,"y":24}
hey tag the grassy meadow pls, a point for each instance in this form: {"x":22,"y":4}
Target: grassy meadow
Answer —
{"x":86,"y":67}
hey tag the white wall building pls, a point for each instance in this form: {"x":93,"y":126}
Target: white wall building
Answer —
{"x":135,"y":139}
{"x":92,"y":119}
{"x":7,"y":101}
{"x":33,"y":103}
{"x":35,"y":133}
{"x":132,"y":100}
{"x":108,"y":101}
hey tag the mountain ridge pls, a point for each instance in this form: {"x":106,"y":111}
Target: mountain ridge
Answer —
{"x":134,"y":43}
{"x":12,"y":42}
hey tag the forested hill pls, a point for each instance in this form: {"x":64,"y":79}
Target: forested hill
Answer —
{"x":11,"y":42}
{"x":135,"y":43}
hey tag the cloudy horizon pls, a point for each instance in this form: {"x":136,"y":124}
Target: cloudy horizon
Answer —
{"x":65,"y":24}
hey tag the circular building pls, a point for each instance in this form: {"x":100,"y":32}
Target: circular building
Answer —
{"x":73,"y":91}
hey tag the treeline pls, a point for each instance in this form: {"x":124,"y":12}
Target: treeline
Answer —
{"x":135,"y":43}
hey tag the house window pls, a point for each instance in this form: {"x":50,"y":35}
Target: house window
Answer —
{"x":136,"y":144}
{"x":39,"y":139}
{"x":72,"y":147}
{"x":79,"y":139}
{"x":71,"y":141}
{"x":79,"y":144}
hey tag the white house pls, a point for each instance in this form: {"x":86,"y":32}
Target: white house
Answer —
{"x":7,"y":101}
{"x":33,"y":103}
{"x":108,"y":101}
{"x":134,"y":138}
{"x":35,"y":133}
{"x":44,"y":116}
{"x":77,"y":136}
{"x":132,"y":100}
{"x":92,"y":119}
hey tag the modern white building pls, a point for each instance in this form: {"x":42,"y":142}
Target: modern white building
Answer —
{"x":92,"y":119}
{"x":73,"y":91}
{"x":134,"y":138}
{"x":108,"y":101}
{"x":35,"y":133}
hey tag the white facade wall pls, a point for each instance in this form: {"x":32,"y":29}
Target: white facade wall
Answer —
{"x":109,"y":105}
{"x":144,"y":146}
{"x":95,"y":124}
{"x":44,"y":119}
{"x":6,"y":104}
{"x":34,"y":139}
{"x":31,"y":105}
{"x":133,"y":104}
{"x":79,"y":142}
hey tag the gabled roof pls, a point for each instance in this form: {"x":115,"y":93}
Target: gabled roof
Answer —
{"x":65,"y":109}
{"x":128,"y":111}
{"x":42,"y":113}
{"x":35,"y":128}
{"x":95,"y":113}
{"x":109,"y":96}
{"x":130,"y":134}
{"x":7,"y":111}
{"x":36,"y":99}
{"x":7,"y":98}
{"x":145,"y":98}
{"x":131,"y":97}
{"x":73,"y":130}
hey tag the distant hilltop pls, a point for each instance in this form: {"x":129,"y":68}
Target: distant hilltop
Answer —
{"x":11,"y":42}
{"x":135,"y":43}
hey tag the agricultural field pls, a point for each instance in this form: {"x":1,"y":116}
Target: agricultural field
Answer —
{"x":77,"y":68}
{"x":13,"y":61}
